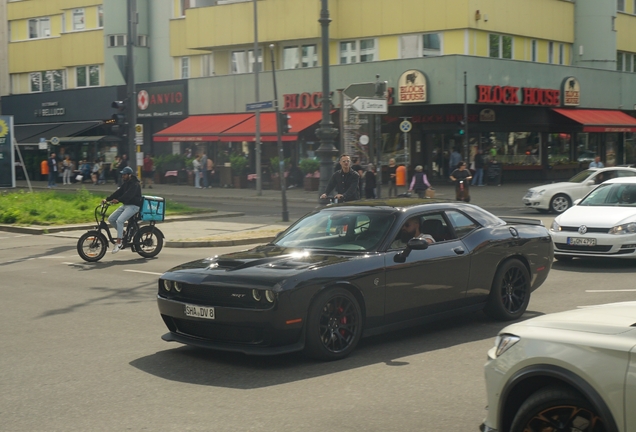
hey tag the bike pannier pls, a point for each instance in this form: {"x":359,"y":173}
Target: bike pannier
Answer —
{"x":153,"y":208}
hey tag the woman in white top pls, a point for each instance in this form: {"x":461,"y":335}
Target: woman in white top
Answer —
{"x":196,"y":165}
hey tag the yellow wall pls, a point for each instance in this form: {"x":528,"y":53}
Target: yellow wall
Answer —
{"x":222,"y":62}
{"x":626,"y":32}
{"x":178,"y":30}
{"x":39,"y":8}
{"x":83,"y":48}
{"x":387,"y":48}
{"x":36,"y":55}
{"x":453,"y":42}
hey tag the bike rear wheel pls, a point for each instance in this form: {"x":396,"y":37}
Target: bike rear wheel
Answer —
{"x":92,"y":246}
{"x":148,"y":241}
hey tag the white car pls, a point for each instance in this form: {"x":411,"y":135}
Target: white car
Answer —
{"x":571,"y":371}
{"x":603,"y":224}
{"x":558,"y":197}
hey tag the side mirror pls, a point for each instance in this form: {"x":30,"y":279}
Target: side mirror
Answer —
{"x":590,"y":183}
{"x":417,"y":244}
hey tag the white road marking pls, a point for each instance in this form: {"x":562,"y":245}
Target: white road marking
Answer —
{"x":144,"y":272}
{"x":607,"y":291}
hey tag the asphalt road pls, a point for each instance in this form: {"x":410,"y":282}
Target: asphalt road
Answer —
{"x":81,"y":350}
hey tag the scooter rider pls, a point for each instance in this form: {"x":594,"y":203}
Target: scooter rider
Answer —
{"x":129,"y":194}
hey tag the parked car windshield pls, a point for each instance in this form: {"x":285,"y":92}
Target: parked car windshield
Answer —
{"x":581,"y":177}
{"x":615,"y":194}
{"x":351,"y":230}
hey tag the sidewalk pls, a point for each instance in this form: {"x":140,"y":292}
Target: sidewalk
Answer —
{"x":223,"y":228}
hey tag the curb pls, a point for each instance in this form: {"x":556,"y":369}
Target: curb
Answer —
{"x":39,"y":230}
{"x":218,"y":243}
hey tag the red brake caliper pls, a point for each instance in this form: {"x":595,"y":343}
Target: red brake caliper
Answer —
{"x":343,"y":320}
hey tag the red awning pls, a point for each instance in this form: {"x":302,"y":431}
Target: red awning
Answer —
{"x":201,"y":128}
{"x":600,"y":120}
{"x":245,"y":131}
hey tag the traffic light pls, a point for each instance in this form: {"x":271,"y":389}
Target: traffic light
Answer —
{"x":283,"y":122}
{"x":462,"y":128}
{"x":119,"y":123}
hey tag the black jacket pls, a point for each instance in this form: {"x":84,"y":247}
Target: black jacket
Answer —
{"x":128,"y":193}
{"x":345,"y":184}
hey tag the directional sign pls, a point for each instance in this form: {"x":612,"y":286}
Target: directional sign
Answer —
{"x":258,"y":105}
{"x":360,"y":90}
{"x":55,"y":140}
{"x":406,"y":126}
{"x":370,"y":105}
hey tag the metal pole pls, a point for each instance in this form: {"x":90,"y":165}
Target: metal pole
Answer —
{"x":257,"y":144}
{"x":466,"y":140}
{"x":131,"y":104}
{"x":326,"y":133}
{"x":281,"y":154}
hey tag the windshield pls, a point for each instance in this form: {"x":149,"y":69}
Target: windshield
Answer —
{"x":616,"y":194}
{"x":580,"y":177}
{"x":342,"y":230}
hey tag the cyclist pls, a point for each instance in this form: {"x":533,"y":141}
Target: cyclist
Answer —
{"x":129,"y":194}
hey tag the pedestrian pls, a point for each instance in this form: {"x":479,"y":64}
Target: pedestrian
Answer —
{"x":596,"y":163}
{"x":355,"y":165}
{"x":115,"y":169}
{"x":52,"y":162}
{"x":461,"y":176}
{"x":96,"y":168}
{"x":345,"y":182}
{"x":149,"y":171}
{"x":204,"y":170}
{"x":455,"y":158}
{"x":67,"y":166}
{"x":420,"y":182}
{"x":209,"y":171}
{"x":392,"y":174}
{"x":478,"y":180}
{"x":196,"y":168}
{"x":369,"y":182}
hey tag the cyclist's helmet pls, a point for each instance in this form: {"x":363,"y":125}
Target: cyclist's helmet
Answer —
{"x":127,"y":170}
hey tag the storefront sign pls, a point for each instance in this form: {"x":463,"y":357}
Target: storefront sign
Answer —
{"x":412,"y":87}
{"x":571,"y":90}
{"x":162,"y":101}
{"x":487,"y":115}
{"x":510,"y":95}
{"x":50,"y":109}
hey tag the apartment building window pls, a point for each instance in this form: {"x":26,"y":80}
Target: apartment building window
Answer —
{"x":87,"y":76}
{"x":533,"y":54}
{"x":207,"y":65}
{"x":142,"y":40}
{"x":39,"y":28}
{"x":243,"y":61}
{"x":100,"y":16}
{"x":78,"y":19}
{"x":500,"y":46}
{"x":185,"y":67}
{"x":625,"y":62}
{"x":561,"y":54}
{"x":358,"y":51}
{"x":303,"y":56}
{"x":550,"y":52}
{"x":117,"y":40}
{"x":620,"y":5}
{"x":48,"y":81}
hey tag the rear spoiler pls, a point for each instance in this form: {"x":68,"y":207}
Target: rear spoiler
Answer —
{"x":511,"y":220}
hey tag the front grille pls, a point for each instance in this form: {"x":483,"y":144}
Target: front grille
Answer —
{"x":221,"y":332}
{"x":215,"y":296}
{"x":567,"y":247}
{"x":589,"y":230}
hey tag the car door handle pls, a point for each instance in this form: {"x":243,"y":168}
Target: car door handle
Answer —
{"x":459,"y":250}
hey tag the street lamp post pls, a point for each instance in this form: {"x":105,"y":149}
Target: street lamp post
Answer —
{"x":326,"y":133}
{"x":281,"y":153}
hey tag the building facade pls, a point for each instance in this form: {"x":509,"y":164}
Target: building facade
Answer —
{"x":544,"y":84}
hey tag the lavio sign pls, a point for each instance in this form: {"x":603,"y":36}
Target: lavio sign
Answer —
{"x":7,"y":166}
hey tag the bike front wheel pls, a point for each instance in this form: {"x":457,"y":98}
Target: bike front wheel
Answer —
{"x":92,"y":246}
{"x":148,"y":241}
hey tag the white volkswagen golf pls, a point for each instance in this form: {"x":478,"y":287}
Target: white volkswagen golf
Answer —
{"x":571,"y":371}
{"x":602,"y":224}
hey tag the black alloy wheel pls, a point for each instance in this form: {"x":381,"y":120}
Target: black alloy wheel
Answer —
{"x":334,"y":325}
{"x":510,"y":292}
{"x":92,"y":246}
{"x":148,"y":242}
{"x":557,"y":409}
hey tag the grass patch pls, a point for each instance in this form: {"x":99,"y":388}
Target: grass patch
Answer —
{"x":60,"y":208}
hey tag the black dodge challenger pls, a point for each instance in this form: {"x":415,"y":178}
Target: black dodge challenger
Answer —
{"x":349,"y":270}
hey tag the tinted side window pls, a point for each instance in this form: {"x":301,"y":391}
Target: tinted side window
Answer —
{"x":461,"y":223}
{"x":434,"y":224}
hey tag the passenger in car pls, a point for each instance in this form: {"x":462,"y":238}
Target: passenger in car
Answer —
{"x":410,"y":229}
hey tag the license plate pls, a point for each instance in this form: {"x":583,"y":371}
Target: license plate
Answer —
{"x":581,"y":241}
{"x":199,"y":311}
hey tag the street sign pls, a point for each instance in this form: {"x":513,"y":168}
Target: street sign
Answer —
{"x":139,"y":134}
{"x":406,"y":126}
{"x":365,"y":90}
{"x":55,"y":140}
{"x":258,"y":105}
{"x":370,"y":105}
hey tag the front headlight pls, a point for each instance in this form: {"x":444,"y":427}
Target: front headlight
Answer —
{"x":628,"y":228}
{"x":504,"y":342}
{"x":167,"y":285}
{"x":538,"y":193}
{"x":555,"y":226}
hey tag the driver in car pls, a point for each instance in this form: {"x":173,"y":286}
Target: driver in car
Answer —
{"x":410,"y":229}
